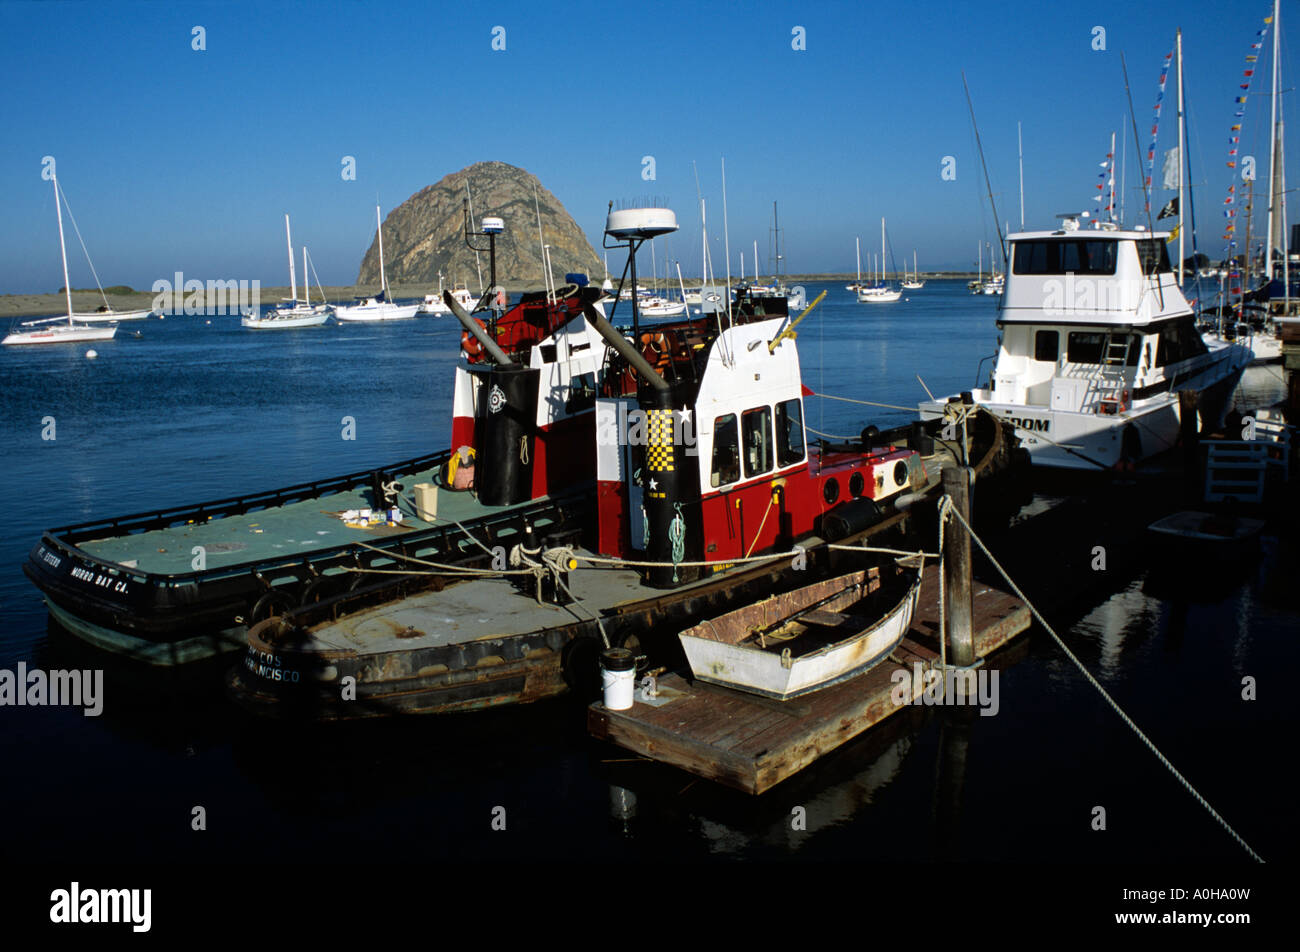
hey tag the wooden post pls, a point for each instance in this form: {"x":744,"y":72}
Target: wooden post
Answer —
{"x":957,"y":570}
{"x":1190,"y":432}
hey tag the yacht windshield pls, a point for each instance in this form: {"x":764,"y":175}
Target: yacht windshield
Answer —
{"x":1064,"y":256}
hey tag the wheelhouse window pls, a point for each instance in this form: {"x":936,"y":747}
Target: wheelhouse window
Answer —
{"x":1154,"y":255}
{"x":1085,"y":347}
{"x":1064,"y":256}
{"x":1047,"y":346}
{"x":1179,"y":340}
{"x":726,"y":451}
{"x":789,"y":433}
{"x":756,"y":425}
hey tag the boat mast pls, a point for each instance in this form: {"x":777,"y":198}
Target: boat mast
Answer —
{"x":293,"y":279}
{"x":58,"y":210}
{"x":1020,"y":145}
{"x":1179,"y":46}
{"x":383,"y":277}
{"x":1272,"y":152}
{"x":882,"y":250}
{"x":756,"y":262}
{"x":857,"y":243}
{"x":1123,"y":148}
{"x":306,"y":285}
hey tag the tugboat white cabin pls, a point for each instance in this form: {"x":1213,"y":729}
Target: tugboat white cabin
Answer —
{"x":1096,"y":341}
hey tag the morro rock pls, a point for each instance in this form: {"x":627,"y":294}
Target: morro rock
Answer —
{"x":424,"y":235}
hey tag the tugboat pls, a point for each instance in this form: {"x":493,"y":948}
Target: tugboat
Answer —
{"x":181,"y":585}
{"x":706,"y":494}
{"x":1096,"y":342}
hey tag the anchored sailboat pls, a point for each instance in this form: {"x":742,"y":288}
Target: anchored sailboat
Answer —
{"x":915,"y":281}
{"x":882,"y":293}
{"x":378,"y":307}
{"x":291,"y":314}
{"x":53,"y":330}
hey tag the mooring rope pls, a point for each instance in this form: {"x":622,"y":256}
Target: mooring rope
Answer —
{"x":866,"y":403}
{"x":1096,"y":684}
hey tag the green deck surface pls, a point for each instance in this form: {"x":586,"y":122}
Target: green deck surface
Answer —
{"x":280,"y":532}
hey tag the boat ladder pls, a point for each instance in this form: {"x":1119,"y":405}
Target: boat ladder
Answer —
{"x":1111,"y":383}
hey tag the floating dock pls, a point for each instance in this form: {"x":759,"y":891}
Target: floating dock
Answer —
{"x":753,"y":743}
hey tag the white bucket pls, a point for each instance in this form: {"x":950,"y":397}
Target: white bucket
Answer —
{"x":618,"y":678}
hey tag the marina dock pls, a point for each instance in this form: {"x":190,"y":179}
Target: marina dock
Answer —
{"x":752,"y":743}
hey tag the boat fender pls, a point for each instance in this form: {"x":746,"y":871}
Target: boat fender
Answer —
{"x":850,"y":518}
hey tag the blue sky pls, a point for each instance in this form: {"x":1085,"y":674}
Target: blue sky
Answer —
{"x":182,"y":160}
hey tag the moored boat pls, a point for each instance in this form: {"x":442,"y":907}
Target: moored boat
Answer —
{"x":809,"y":638}
{"x":54,"y":330}
{"x":706,"y":493}
{"x":1097,"y":342}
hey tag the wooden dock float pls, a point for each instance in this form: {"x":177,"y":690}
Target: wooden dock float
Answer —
{"x":753,"y":743}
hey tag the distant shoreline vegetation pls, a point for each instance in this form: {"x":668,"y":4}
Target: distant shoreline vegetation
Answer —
{"x":115,"y":289}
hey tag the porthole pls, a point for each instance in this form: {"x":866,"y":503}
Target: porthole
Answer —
{"x":831,"y":491}
{"x":856,"y":483}
{"x":900,"y":473}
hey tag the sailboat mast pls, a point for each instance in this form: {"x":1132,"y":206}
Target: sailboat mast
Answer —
{"x":857,"y":243}
{"x":383,"y":277}
{"x":306,"y":285}
{"x":756,"y":261}
{"x":1181,"y":219}
{"x":293,"y":278}
{"x":1272,"y":151}
{"x":63,"y":249}
{"x":1020,"y":146}
{"x":882,"y":249}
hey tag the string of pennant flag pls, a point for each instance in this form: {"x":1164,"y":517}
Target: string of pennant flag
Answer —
{"x":1155,"y":128}
{"x":1107,"y":169}
{"x":1234,"y":142}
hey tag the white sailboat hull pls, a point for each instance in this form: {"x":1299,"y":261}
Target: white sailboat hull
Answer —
{"x":878,"y":295}
{"x":373,"y":313}
{"x":286,"y":320}
{"x":105,"y":317}
{"x":59,"y":334}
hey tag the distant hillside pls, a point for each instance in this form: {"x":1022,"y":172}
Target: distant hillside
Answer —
{"x":424,"y":235}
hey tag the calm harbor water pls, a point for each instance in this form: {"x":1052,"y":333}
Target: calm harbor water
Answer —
{"x":200,"y":408}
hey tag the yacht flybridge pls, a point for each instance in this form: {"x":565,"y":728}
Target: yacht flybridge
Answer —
{"x":1096,"y":342}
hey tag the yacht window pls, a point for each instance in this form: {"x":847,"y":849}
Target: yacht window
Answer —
{"x":1154,"y":255}
{"x":1064,"y":256}
{"x":1047,"y":346}
{"x":789,"y":433}
{"x":1085,"y":348}
{"x":1178,"y":341}
{"x":726,"y":451}
{"x":758,"y":440}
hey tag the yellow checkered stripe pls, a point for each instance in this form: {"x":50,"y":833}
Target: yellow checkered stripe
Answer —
{"x":659,"y":441}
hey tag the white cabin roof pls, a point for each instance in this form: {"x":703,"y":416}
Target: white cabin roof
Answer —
{"x":1090,"y":233}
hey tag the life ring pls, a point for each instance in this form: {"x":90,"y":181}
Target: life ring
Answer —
{"x":656,"y":347}
{"x":470,"y":344}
